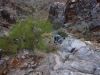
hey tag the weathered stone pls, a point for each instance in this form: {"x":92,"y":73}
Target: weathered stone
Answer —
{"x":83,"y":66}
{"x":78,"y":44}
{"x":56,"y":11}
{"x":67,"y":72}
{"x":82,"y":51}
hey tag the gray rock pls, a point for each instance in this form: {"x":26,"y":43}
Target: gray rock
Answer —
{"x":97,"y":72}
{"x":82,"y":51}
{"x":70,"y":43}
{"x":83,"y":66}
{"x":67,"y":72}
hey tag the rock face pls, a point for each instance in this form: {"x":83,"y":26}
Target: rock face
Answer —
{"x":56,"y":10}
{"x":82,"y":61}
{"x":89,"y":11}
{"x":7,"y":16}
{"x":78,"y":7}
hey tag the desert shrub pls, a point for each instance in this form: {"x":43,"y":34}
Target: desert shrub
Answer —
{"x":25,"y":35}
{"x":62,"y":33}
{"x":56,"y":24}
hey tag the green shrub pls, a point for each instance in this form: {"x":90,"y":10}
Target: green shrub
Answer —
{"x":56,"y":24}
{"x":62,"y":33}
{"x":25,"y":35}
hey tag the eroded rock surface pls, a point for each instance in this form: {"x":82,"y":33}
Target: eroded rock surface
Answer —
{"x":56,"y":11}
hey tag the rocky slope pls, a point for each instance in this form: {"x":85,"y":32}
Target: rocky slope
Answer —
{"x":84,"y":60}
{"x":72,"y":56}
{"x":13,"y":10}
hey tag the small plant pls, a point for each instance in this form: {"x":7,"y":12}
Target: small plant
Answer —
{"x":66,"y":57}
{"x":56,"y":24}
{"x":62,"y":33}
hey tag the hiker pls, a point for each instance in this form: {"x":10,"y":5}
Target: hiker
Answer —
{"x":56,"y":38}
{"x":0,"y":53}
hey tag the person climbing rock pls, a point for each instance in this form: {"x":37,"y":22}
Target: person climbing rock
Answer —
{"x":56,"y":38}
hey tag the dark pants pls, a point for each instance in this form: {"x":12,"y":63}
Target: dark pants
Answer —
{"x":56,"y":39}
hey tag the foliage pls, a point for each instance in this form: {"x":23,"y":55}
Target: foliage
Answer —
{"x":56,"y":24}
{"x":67,"y":57}
{"x":50,"y":48}
{"x":25,"y":34}
{"x":62,"y":33}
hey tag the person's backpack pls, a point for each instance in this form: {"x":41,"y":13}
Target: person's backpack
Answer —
{"x":72,"y":50}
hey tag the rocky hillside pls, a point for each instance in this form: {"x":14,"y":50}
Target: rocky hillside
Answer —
{"x":77,"y":54}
